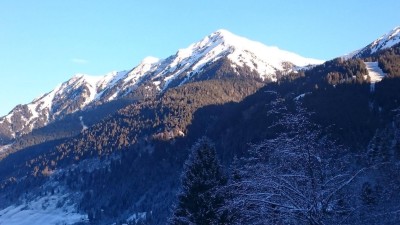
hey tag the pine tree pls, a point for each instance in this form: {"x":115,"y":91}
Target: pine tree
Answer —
{"x":199,"y":200}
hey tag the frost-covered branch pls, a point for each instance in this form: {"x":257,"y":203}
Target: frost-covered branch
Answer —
{"x":293,"y":176}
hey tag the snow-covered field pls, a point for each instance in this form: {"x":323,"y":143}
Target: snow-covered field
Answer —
{"x":47,"y":210}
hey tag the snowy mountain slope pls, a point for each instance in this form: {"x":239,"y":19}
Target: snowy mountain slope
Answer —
{"x":83,"y":91}
{"x":42,"y":210}
{"x":54,"y":203}
{"x":385,"y":41}
{"x":68,"y":97}
{"x":265,"y":60}
{"x":71,"y":96}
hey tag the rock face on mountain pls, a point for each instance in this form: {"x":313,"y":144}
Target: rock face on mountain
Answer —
{"x":151,"y":77}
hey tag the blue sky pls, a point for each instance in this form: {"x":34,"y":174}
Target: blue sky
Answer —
{"x":45,"y":42}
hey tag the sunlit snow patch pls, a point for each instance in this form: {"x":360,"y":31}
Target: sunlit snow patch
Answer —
{"x":52,"y":209}
{"x":301,"y":96}
{"x":375,"y":73}
{"x":137,"y":217}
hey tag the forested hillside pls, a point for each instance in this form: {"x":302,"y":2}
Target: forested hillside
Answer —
{"x":319,"y":146}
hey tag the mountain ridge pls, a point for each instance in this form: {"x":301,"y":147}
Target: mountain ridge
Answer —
{"x":153,"y":75}
{"x":385,"y":41}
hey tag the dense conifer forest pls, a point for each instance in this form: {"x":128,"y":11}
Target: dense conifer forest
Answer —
{"x":316,"y":147}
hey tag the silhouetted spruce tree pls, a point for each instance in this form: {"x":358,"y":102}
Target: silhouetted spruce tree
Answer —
{"x":199,"y":200}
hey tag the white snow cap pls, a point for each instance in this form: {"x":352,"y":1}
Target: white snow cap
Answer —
{"x":387,"y":40}
{"x":270,"y":54}
{"x":150,"y":60}
{"x":242,"y":52}
{"x":265,"y":60}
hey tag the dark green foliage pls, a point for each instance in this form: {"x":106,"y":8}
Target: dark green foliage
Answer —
{"x":338,"y":71}
{"x":346,"y":109}
{"x":389,"y":60}
{"x":199,"y":201}
{"x":162,"y":119}
{"x":66,"y":127}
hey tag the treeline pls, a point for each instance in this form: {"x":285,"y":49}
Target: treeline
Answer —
{"x":338,"y":71}
{"x":389,"y":61}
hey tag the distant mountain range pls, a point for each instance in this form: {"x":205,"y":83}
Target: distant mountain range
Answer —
{"x":152,"y":76}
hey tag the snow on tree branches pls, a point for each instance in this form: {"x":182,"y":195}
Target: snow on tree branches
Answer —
{"x":297,"y":177}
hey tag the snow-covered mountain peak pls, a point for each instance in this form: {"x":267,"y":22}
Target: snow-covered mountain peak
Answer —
{"x":83,"y":91}
{"x":223,"y":36}
{"x":394,"y":33}
{"x":242,"y":52}
{"x":145,"y":65}
{"x":81,"y":79}
{"x":150,"y":60}
{"x":222,"y":33}
{"x":269,"y":53}
{"x":228,"y":38}
{"x":385,"y":41}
